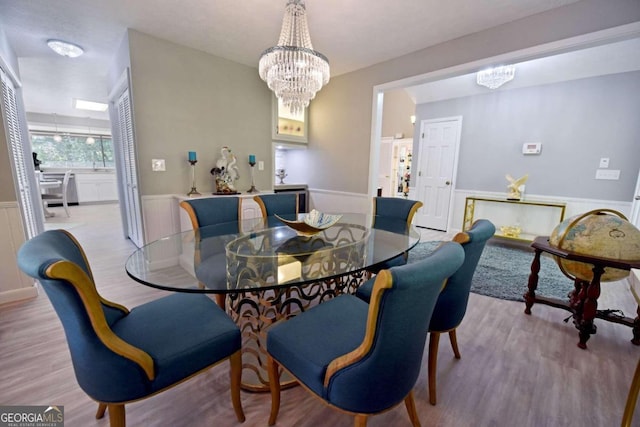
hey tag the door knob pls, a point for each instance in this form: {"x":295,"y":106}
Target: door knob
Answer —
{"x":448,"y":182}
{"x":637,"y":197}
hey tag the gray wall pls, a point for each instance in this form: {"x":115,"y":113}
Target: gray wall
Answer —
{"x":397,"y":109}
{"x":187,"y":100}
{"x":577,"y":122}
{"x":340,"y":116}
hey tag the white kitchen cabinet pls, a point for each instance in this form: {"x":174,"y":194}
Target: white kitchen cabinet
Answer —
{"x":96,"y":187}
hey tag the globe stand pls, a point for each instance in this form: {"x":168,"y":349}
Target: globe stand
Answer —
{"x":193,"y":191}
{"x":253,"y":188}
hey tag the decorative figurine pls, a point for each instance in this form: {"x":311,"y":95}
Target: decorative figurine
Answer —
{"x":280,"y":173}
{"x":225,"y":172}
{"x":516,"y":187}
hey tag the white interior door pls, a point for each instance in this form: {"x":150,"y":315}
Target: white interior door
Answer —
{"x":438,"y":148}
{"x":384,"y":166}
{"x":126,"y":139}
{"x":12,"y":115}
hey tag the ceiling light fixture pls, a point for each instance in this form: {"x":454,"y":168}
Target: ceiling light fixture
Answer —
{"x":56,"y":136}
{"x":81,"y":104}
{"x":292,"y":69}
{"x":65,"y":48}
{"x":493,"y":78}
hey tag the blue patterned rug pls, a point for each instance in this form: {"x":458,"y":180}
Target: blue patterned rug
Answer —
{"x":503,"y":272}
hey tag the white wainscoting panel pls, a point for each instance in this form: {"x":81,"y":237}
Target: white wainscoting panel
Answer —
{"x":161,"y":216}
{"x":339,"y":201}
{"x":14,"y":284}
{"x":575,"y":206}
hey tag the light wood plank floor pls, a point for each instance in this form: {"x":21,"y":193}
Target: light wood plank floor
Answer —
{"x":516,"y":370}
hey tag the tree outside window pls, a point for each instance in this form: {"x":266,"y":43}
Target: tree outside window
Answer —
{"x":73,"y":151}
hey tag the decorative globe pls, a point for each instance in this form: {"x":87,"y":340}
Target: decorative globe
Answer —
{"x":602,"y":233}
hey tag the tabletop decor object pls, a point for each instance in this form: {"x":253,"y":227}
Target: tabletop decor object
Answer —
{"x":516,"y":187}
{"x":280,"y":173}
{"x":312,"y":223}
{"x":193,"y":160}
{"x":225,"y":173}
{"x":252,"y":163}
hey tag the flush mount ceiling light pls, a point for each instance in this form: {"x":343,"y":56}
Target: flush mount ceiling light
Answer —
{"x":292,"y":69}
{"x":81,"y":104}
{"x":65,"y":48}
{"x":493,"y":78}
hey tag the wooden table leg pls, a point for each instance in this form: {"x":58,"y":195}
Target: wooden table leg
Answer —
{"x":590,"y":307}
{"x":636,"y":328}
{"x":530,"y":295}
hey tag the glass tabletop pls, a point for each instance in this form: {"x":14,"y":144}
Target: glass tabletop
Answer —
{"x":257,"y":253}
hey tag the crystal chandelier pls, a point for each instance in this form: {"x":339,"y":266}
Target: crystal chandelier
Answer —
{"x":493,"y":78}
{"x":292,"y":69}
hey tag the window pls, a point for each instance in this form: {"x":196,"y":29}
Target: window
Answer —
{"x":73,"y":151}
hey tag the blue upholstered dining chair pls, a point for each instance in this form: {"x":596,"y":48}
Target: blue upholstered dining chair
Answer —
{"x":121,"y":356}
{"x":452,"y":301}
{"x":364,"y":358}
{"x":212,"y":210}
{"x":393,"y":214}
{"x":282,"y":204}
{"x":209,"y":211}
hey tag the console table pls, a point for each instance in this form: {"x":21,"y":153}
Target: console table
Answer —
{"x":532,"y":217}
{"x":583,"y":299}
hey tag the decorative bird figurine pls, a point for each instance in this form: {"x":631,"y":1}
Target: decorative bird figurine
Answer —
{"x":516,"y":187}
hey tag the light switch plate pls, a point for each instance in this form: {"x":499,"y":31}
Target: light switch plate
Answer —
{"x":260,"y":165}
{"x":157,"y":165}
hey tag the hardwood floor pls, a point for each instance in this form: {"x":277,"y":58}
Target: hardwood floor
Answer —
{"x":516,"y":370}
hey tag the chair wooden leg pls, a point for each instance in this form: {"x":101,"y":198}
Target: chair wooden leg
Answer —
{"x":274,"y":386}
{"x":66,"y":207}
{"x":454,"y":343}
{"x":361,"y":420}
{"x":410,"y":403}
{"x":221,"y":300}
{"x":116,"y":416}
{"x":434,"y":339}
{"x":102,"y":407}
{"x":632,"y":398}
{"x":236,"y":377}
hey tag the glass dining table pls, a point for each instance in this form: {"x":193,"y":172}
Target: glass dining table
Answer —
{"x":267,"y":272}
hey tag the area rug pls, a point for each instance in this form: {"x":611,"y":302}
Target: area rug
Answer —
{"x":503,"y":272}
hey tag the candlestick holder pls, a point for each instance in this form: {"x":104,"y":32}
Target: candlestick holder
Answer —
{"x":193,"y":191}
{"x":253,"y":188}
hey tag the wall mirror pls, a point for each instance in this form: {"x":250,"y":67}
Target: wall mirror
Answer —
{"x":287,"y":126}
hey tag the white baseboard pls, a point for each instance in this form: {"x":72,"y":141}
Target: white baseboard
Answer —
{"x":14,"y":284}
{"x":18,"y":294}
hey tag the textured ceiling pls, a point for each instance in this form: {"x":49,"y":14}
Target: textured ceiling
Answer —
{"x":353,"y":34}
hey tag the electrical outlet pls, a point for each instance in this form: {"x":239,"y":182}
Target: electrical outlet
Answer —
{"x":260,"y":165}
{"x":611,"y":174}
{"x":604,"y":163}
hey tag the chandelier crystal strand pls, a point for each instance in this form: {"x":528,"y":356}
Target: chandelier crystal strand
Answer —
{"x":292,"y":69}
{"x":493,"y":78}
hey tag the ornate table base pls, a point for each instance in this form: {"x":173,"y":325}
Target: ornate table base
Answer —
{"x":255,"y":310}
{"x":583,"y":299}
